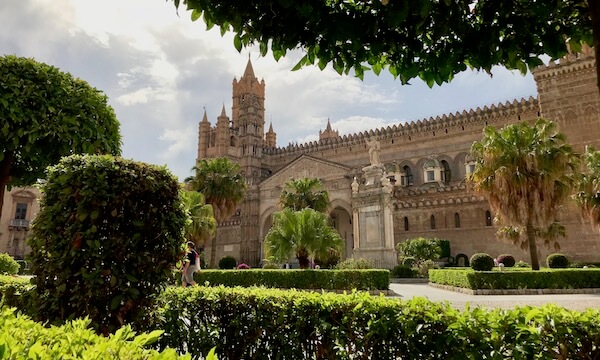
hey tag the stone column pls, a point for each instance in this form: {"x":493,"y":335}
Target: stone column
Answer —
{"x":373,"y":219}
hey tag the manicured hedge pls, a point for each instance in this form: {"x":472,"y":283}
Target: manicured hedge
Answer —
{"x":17,"y":292}
{"x":22,"y":338}
{"x":541,"y":279}
{"x":275,"y":324}
{"x":369,"y":279}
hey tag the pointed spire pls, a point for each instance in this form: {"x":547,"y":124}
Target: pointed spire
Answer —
{"x":271,"y":127}
{"x":249,"y":72}
{"x":223,"y":111}
{"x":328,"y":128}
{"x":205,"y":118}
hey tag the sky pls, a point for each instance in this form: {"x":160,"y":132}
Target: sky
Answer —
{"x":160,"y":71}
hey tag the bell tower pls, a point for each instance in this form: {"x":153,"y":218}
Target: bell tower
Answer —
{"x":248,"y":120}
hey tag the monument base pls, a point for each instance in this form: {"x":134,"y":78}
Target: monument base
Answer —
{"x":382,"y":258}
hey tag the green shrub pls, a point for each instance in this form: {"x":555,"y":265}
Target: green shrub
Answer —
{"x":268,"y":264}
{"x":420,"y":248}
{"x":352,"y":263}
{"x":227,"y":262}
{"x":527,"y":279}
{"x":522,"y":264}
{"x":444,"y":248}
{"x":402,"y":271}
{"x":557,"y":261}
{"x":17,"y":292}
{"x":369,"y":279}
{"x":22,"y":338}
{"x":105,"y":240}
{"x":424,"y":267}
{"x":23,"y":267}
{"x":330,"y":260}
{"x":482,"y":262}
{"x":8,"y":265}
{"x":406,"y":261}
{"x":269,"y":324}
{"x":507,"y":260}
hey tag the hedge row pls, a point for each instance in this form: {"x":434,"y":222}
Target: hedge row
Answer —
{"x":369,"y":279}
{"x":22,"y":338}
{"x":541,"y":279}
{"x":276,"y":324}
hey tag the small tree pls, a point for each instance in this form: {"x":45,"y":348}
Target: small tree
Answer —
{"x":304,"y":193}
{"x":524,"y":172}
{"x":202,"y":224}
{"x":587,"y":195}
{"x":105,"y":241}
{"x":421,"y":249}
{"x":47,"y":114}
{"x":223,"y":187}
{"x":306,"y":229}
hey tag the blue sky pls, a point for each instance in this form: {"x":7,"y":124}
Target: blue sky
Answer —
{"x":161,"y":70}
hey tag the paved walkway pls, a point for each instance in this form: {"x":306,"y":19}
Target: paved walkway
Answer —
{"x":459,"y":300}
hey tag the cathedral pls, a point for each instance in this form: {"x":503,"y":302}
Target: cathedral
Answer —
{"x":402,"y":181}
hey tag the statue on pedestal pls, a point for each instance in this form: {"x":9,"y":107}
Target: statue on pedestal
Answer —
{"x":374,"y":151}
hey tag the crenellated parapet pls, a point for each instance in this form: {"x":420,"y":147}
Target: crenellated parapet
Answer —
{"x":433,"y":126}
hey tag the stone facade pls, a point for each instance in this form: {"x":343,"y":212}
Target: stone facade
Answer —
{"x":19,"y":209}
{"x":426,"y":162}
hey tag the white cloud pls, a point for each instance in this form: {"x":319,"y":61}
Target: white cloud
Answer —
{"x":160,"y":69}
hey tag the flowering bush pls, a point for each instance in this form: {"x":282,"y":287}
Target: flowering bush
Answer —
{"x":243,"y":266}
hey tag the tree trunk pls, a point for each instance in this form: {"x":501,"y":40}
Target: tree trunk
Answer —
{"x":5,"y":167}
{"x":535,"y":262}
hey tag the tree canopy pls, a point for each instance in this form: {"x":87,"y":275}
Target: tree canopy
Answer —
{"x":306,"y":230}
{"x":47,"y":114}
{"x":429,"y":39}
{"x":298,"y":194}
{"x":587,"y":195}
{"x":524,"y":172}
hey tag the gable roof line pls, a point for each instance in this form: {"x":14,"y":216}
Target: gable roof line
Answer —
{"x":301,"y":157}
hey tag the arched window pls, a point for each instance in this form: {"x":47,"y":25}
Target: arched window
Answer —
{"x":488,"y":218}
{"x":432,"y":220}
{"x":405,"y":223}
{"x":456,"y":220}
{"x":446,"y":173}
{"x":408,"y":176}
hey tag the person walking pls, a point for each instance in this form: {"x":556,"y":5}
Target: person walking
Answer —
{"x":190,"y":265}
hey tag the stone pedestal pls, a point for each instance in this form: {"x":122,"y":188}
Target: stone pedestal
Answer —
{"x":373,"y":220}
{"x":373,"y":174}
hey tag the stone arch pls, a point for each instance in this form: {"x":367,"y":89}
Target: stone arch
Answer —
{"x":266,"y":221}
{"x":460,"y":161}
{"x":341,"y":219}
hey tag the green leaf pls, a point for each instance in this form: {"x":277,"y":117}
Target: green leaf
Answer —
{"x":196,"y":14}
{"x":115,"y":302}
{"x":237,"y":42}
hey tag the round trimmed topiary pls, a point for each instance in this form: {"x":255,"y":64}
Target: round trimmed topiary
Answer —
{"x":557,"y":261}
{"x":8,"y":265}
{"x":227,"y":262}
{"x":105,"y":240}
{"x":507,"y":260}
{"x":482,"y":262}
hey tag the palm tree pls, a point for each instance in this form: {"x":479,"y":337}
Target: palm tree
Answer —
{"x":305,"y":230}
{"x":301,"y":194}
{"x":304,"y":193}
{"x":202,"y":224}
{"x":223,"y":187}
{"x":588,"y":191}
{"x":524,"y":172}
